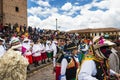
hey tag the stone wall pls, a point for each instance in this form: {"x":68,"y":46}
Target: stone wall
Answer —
{"x":15,"y":11}
{"x":0,"y":11}
{"x":0,"y":6}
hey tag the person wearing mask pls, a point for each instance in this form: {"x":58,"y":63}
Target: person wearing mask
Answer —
{"x":13,"y":63}
{"x":15,"y":42}
{"x":96,"y":67}
{"x":27,"y":51}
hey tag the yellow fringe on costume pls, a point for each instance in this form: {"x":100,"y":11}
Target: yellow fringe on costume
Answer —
{"x":92,"y":57}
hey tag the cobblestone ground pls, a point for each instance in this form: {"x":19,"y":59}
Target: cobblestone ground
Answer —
{"x":42,"y":74}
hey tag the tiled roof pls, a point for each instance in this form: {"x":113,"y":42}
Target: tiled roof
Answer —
{"x":95,"y":30}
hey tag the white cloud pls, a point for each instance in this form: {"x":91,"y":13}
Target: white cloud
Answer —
{"x":115,"y":4}
{"x":35,"y":10}
{"x":76,"y":3}
{"x":87,"y":18}
{"x":42,"y":3}
{"x":103,"y":4}
{"x":34,"y":21}
{"x":67,"y":6}
{"x":43,"y":12}
{"x":72,"y":10}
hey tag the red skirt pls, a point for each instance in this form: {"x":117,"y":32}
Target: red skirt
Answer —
{"x":44,"y":55}
{"x":58,"y":70}
{"x":30,"y":59}
{"x":37,"y":58}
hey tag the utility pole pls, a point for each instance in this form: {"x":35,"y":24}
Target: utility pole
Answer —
{"x":56,"y":24}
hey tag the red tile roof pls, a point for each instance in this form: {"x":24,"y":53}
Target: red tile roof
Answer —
{"x":95,"y":30}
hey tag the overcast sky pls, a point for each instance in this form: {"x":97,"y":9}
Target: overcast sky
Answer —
{"x":73,"y":14}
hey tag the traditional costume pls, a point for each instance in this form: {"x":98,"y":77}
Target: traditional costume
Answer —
{"x":49,"y":50}
{"x":13,"y":65}
{"x":96,"y":66}
{"x":83,"y":47}
{"x":70,"y":64}
{"x":43,"y":52}
{"x":26,"y":50}
{"x":36,"y":53}
{"x":60,"y":55}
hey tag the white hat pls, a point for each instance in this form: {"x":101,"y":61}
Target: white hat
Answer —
{"x":25,"y":39}
{"x":55,"y":42}
{"x":99,"y":41}
{"x":14,"y":39}
{"x":95,"y":39}
{"x":1,"y":39}
{"x":48,"y":42}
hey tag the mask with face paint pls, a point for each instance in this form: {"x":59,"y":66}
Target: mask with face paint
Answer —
{"x":106,"y":51}
{"x":17,"y":47}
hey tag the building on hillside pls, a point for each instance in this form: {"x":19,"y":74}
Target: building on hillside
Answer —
{"x":112,"y":33}
{"x":13,"y":12}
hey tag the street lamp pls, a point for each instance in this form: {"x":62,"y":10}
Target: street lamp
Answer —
{"x":56,"y":24}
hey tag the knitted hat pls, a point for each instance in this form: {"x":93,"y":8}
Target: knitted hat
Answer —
{"x":14,"y":40}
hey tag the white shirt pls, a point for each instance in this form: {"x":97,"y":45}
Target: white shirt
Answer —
{"x":27,"y":46}
{"x":88,"y":70}
{"x":54,"y":48}
{"x":36,"y":50}
{"x":2,"y":50}
{"x":48,"y":48}
{"x":42,"y":47}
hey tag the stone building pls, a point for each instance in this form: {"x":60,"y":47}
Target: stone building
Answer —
{"x":112,"y":33}
{"x":13,"y":11}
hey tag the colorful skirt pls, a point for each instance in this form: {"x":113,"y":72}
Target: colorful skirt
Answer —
{"x":43,"y":55}
{"x":30,"y":59}
{"x":37,"y":58}
{"x":49,"y":54}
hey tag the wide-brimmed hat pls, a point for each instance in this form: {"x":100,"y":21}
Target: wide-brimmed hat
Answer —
{"x":99,"y":41}
{"x":61,"y":37}
{"x":72,"y":46}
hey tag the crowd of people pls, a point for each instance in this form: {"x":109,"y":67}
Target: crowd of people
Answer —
{"x":73,"y":57}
